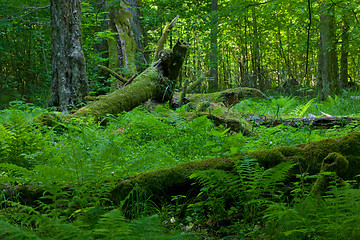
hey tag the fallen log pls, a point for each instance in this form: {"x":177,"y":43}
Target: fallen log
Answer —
{"x":165,"y":183}
{"x":340,"y":155}
{"x":312,"y":122}
{"x":157,"y":82}
{"x":228,"y":97}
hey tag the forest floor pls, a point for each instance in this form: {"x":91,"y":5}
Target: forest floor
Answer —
{"x":57,"y":180}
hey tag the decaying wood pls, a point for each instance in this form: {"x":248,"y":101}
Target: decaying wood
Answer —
{"x":162,"y":40}
{"x":228,"y":97}
{"x":313,"y":122}
{"x":157,"y":82}
{"x":310,"y":157}
{"x":340,"y":155}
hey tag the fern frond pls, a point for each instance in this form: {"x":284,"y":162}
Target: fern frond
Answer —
{"x":215,"y":179}
{"x":9,"y":231}
{"x":300,"y":110}
{"x":112,"y":225}
{"x":276,"y":174}
{"x":69,"y":231}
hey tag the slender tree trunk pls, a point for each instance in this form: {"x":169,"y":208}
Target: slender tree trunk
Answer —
{"x":139,"y":33}
{"x":213,"y":83}
{"x":70,"y":84}
{"x":308,"y":43}
{"x":344,"y":53}
{"x":328,"y":66}
{"x":257,"y":79}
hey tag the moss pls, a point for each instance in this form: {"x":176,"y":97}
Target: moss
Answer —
{"x":170,"y":181}
{"x":350,"y":144}
{"x":269,"y":158}
{"x":204,"y":106}
{"x":291,"y":151}
{"x":335,"y":162}
{"x":165,"y":183}
{"x":125,"y":99}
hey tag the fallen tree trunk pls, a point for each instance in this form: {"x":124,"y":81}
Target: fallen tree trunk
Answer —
{"x":165,"y":183}
{"x":228,"y":97}
{"x":340,"y":155}
{"x":157,"y":82}
{"x":313,"y":122}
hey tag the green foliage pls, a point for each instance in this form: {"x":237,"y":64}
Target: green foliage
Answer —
{"x":299,"y":111}
{"x":75,"y":169}
{"x":241,"y":196}
{"x":335,"y":215}
{"x":22,"y":139}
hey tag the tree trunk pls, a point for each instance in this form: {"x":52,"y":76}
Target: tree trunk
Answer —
{"x":70,"y":84}
{"x":256,"y":59}
{"x":157,"y":82}
{"x":344,"y":53}
{"x":213,"y":83}
{"x":126,"y":49}
{"x":140,"y":38}
{"x":328,"y":67}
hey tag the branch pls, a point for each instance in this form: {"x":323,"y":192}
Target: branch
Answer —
{"x":14,"y":16}
{"x":118,"y":76}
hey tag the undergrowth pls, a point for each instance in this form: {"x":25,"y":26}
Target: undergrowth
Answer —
{"x":72,"y":168}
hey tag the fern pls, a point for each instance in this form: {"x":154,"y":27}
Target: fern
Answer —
{"x":300,"y":110}
{"x":246,"y":188}
{"x":9,"y":231}
{"x":333,"y":216}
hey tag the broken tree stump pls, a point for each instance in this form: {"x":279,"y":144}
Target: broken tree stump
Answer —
{"x":157,"y":82}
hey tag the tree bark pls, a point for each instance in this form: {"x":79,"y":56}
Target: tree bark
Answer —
{"x":126,"y":48}
{"x":70,"y":84}
{"x":213,"y":83}
{"x":256,"y":58}
{"x":344,"y":53}
{"x":312,"y":122}
{"x":328,"y":66}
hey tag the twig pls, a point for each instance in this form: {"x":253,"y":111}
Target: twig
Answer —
{"x":118,"y":76}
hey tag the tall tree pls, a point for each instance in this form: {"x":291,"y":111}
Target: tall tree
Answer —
{"x":256,"y":58}
{"x":344,"y":52}
{"x":213,"y":83}
{"x":70,"y":83}
{"x":328,"y":66}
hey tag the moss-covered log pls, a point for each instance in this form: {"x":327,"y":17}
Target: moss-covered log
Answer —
{"x":229,"y":97}
{"x":221,"y":115}
{"x":165,"y":183}
{"x":156,"y":82}
{"x":313,"y":122}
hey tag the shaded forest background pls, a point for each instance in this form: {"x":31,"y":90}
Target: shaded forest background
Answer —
{"x":293,"y":47}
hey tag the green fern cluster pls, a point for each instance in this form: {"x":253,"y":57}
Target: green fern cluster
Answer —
{"x":21,"y":139}
{"x":334,"y":215}
{"x":27,"y":223}
{"x":239,"y":196}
